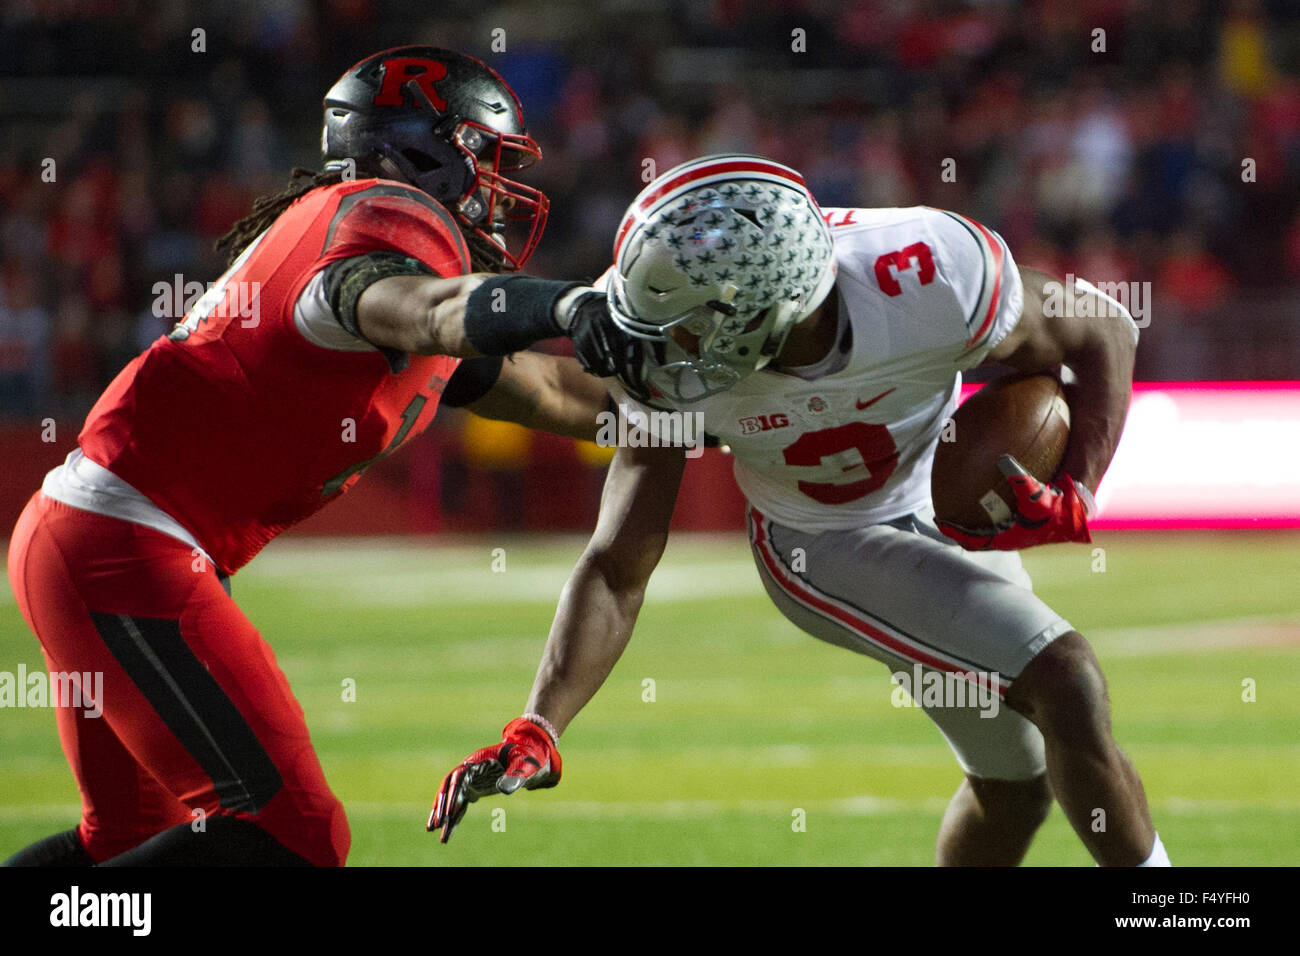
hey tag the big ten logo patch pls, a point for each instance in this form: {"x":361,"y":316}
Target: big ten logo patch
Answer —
{"x":753,"y":424}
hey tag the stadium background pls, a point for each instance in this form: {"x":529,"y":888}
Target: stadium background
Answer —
{"x":1122,"y":165}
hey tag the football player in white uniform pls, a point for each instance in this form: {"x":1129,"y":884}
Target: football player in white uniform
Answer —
{"x":826,"y":349}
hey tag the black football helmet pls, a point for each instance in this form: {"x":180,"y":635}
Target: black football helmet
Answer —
{"x":450,"y":126}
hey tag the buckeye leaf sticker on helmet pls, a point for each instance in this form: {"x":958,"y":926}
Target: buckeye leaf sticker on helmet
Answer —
{"x":731,"y":250}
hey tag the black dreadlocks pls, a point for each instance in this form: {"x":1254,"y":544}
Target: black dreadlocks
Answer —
{"x":266,"y":209}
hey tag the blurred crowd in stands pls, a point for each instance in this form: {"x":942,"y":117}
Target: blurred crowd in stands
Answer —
{"x":1120,"y":140}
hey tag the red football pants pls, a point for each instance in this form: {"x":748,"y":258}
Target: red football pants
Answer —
{"x":196,"y":712}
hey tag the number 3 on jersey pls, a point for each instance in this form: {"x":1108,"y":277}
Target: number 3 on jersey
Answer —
{"x":872,"y":442}
{"x":891,"y":264}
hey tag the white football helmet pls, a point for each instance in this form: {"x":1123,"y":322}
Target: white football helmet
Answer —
{"x":731,"y":248}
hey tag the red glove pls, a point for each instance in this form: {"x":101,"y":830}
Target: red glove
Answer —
{"x":527,"y":757}
{"x":1045,"y":514}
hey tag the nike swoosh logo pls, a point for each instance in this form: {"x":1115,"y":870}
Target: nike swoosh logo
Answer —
{"x":862,"y":404}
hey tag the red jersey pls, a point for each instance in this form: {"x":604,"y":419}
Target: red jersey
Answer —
{"x":239,"y":424}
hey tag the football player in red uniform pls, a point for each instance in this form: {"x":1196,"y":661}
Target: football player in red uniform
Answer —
{"x":355,"y":302}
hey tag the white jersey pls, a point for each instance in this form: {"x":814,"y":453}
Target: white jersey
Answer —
{"x":923,"y":294}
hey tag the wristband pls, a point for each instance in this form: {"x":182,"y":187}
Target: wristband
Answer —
{"x":545,"y":724}
{"x":509,"y":313}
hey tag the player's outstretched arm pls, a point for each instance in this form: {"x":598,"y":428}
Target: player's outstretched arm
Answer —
{"x":593,"y":623}
{"x":547,"y":392}
{"x":1097,"y":339}
{"x":485,"y":315}
{"x":422,"y":315}
{"x":600,"y":602}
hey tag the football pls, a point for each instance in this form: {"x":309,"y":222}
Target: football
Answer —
{"x":1021,"y":415}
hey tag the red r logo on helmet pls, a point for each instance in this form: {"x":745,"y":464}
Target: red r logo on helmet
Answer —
{"x":398,"y":72}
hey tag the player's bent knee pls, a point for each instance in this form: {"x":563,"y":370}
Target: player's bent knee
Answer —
{"x":244,"y":842}
{"x":1027,"y":802}
{"x":322,"y":842}
{"x":340,"y":837}
{"x":222,"y":841}
{"x":328,"y":837}
{"x":1062,"y":690}
{"x":313,"y":827}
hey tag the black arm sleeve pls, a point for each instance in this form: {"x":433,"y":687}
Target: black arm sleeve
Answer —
{"x":471,"y":381}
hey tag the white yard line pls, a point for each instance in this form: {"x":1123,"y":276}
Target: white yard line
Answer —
{"x":418,"y":578}
{"x":553,"y":806}
{"x":860,"y":806}
{"x":388,"y":573}
{"x":1155,"y":640}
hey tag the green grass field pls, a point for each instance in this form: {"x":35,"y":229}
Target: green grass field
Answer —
{"x":751,"y":719}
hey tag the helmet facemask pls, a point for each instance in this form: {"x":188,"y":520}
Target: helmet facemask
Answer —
{"x":499,"y":213}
